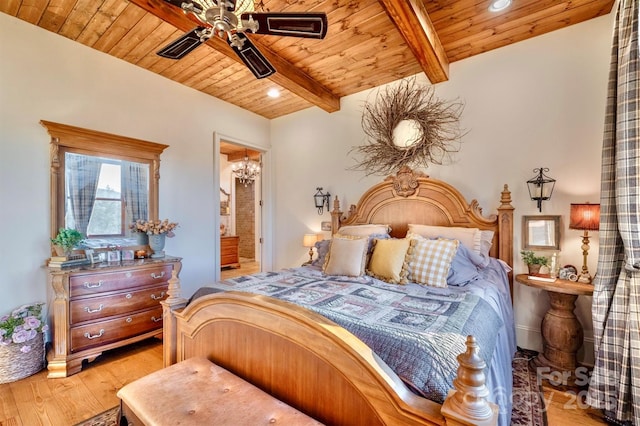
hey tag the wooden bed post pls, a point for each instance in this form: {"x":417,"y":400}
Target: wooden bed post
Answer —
{"x":169,"y":322}
{"x":467,"y":403}
{"x":505,"y":229}
{"x":336,"y":215}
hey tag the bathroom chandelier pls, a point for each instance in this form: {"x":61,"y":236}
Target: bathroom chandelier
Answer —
{"x":246,"y":170}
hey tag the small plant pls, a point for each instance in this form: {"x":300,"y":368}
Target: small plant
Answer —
{"x":67,"y":239}
{"x":530,"y":258}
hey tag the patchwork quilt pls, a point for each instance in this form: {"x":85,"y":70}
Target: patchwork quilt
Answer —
{"x":417,"y":330}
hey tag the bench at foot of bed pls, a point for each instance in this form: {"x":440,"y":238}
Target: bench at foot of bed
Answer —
{"x":198,"y":392}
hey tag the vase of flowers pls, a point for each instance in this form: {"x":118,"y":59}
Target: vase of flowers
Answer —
{"x":142,"y":239}
{"x":21,"y":343}
{"x":156,"y":232}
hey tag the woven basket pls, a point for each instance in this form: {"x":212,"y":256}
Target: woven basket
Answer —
{"x":16,"y":365}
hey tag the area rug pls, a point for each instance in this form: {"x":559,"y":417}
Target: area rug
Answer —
{"x":528,"y":401}
{"x":528,"y":398}
{"x":110,"y":417}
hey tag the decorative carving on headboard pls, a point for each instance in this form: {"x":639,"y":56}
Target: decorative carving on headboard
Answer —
{"x":405,"y":181}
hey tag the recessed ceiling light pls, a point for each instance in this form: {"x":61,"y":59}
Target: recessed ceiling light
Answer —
{"x":273,"y":93}
{"x":498,"y":5}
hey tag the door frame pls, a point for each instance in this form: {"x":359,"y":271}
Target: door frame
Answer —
{"x":264,"y":192}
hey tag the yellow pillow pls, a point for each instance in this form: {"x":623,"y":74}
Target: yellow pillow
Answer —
{"x":387,"y":261}
{"x":346,"y":256}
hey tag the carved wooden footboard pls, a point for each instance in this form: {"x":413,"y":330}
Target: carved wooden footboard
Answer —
{"x":313,"y":364}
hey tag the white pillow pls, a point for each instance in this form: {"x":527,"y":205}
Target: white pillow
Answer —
{"x":486,"y":241}
{"x":364,"y":230}
{"x":346,"y":256}
{"x":429,"y":261}
{"x":470,"y":237}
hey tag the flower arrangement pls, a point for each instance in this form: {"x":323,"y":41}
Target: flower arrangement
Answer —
{"x":22,"y":326}
{"x":154,"y":227}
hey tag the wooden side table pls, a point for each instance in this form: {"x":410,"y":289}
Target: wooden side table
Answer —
{"x":562,"y":332}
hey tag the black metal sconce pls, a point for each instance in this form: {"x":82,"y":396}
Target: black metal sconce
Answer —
{"x":321,"y":200}
{"x":541,"y":186}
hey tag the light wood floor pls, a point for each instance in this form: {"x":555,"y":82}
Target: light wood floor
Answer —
{"x":37,"y":400}
{"x":247,"y":267}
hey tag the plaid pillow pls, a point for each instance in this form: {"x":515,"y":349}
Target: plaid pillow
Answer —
{"x":430,"y":261}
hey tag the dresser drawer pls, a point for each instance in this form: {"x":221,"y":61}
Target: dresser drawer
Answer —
{"x":95,"y":308}
{"x":112,"y":330}
{"x":82,"y":285}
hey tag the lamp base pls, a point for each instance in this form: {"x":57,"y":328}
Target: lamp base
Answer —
{"x":584,"y":278}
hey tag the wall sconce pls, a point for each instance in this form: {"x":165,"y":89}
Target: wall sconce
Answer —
{"x":585,"y":217}
{"x":321,"y":200}
{"x":540,"y":186}
{"x":309,"y":240}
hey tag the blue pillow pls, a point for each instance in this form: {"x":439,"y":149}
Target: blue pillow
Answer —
{"x":322,"y":247}
{"x":464,"y":267}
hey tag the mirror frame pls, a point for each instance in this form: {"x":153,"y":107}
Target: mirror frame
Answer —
{"x":527,"y":239}
{"x":65,"y":138}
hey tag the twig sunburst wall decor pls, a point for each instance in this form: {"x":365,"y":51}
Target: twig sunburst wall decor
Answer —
{"x":436,"y":126}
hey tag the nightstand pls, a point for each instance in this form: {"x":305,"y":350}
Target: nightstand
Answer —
{"x":562,"y":332}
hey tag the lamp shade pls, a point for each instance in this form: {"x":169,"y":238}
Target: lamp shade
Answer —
{"x":585,"y":217}
{"x":309,"y":240}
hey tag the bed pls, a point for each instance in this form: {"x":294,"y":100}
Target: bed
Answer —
{"x":268,"y":330}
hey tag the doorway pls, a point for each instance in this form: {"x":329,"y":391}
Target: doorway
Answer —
{"x":240,"y":212}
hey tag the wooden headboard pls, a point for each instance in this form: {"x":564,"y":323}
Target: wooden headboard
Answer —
{"x":413,"y":197}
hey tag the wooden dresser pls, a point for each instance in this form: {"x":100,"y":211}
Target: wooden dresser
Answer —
{"x":99,"y":307}
{"x":229,"y":256}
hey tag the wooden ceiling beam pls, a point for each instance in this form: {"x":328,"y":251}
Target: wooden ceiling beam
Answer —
{"x":412,"y":20}
{"x":287,"y":75}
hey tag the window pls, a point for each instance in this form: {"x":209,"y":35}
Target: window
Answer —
{"x":101,"y":183}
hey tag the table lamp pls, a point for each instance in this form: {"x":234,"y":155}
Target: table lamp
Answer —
{"x":585,"y":217}
{"x":309,"y":240}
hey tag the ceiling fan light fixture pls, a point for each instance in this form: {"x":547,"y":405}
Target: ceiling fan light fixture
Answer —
{"x":499,"y":5}
{"x":273,"y":93}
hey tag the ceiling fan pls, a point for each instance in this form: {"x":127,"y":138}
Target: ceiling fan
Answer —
{"x":220,"y":18}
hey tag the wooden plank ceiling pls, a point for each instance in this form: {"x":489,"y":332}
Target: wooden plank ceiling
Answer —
{"x":368,"y":43}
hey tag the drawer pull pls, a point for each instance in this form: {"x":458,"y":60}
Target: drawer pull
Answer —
{"x":93,"y":311}
{"x":154,"y":319}
{"x":128,"y":296}
{"x":154,"y":297}
{"x":88,"y":284}
{"x":153,"y":275}
{"x":95,"y":336}
{"x":129,"y":319}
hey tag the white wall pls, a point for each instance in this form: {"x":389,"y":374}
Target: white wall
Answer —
{"x":44,"y":76}
{"x":538,"y":103}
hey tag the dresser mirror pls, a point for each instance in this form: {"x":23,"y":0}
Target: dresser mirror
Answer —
{"x":101,"y":183}
{"x":541,"y":232}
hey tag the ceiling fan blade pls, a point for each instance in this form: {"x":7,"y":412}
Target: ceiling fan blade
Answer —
{"x":310,"y":25}
{"x":230,"y":5}
{"x":188,"y":5}
{"x":251,"y":56}
{"x":182,"y":46}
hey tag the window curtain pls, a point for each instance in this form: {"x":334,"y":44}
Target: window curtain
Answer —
{"x":615,"y":382}
{"x":82,"y":176}
{"x":136,"y":190}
